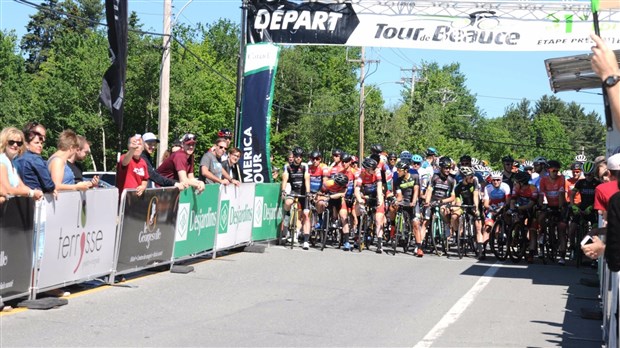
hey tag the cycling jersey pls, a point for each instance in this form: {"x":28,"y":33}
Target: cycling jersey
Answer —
{"x":497,"y":195}
{"x":406,"y":186}
{"x":568,"y":188}
{"x":587,"y":189}
{"x":507,"y":179}
{"x":350,"y":173}
{"x":524,"y":195}
{"x":328,"y":171}
{"x":552,"y":189}
{"x":425,"y":174}
{"x":330,"y":187}
{"x":296,"y":177}
{"x":442,"y":187}
{"x":316,"y":176}
{"x":386,"y":176}
{"x":367,"y":182}
{"x":465,"y":192}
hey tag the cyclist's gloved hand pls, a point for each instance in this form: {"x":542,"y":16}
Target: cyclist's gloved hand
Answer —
{"x":575,"y":209}
{"x":589,"y":209}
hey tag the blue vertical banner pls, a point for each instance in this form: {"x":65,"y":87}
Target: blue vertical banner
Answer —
{"x":261,"y":61}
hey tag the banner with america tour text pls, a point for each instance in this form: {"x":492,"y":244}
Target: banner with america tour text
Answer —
{"x":261,"y":61}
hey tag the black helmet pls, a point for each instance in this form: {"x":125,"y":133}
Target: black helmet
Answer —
{"x":392,"y":155}
{"x":336,"y":152}
{"x":576,"y":166}
{"x":522,"y":178}
{"x":376,"y":148}
{"x":507,"y":159}
{"x":315,"y":154}
{"x":465,"y":158}
{"x":554,"y":164}
{"x":369,"y":163}
{"x":297,"y":151}
{"x":341,"y":179}
{"x":402,"y":165}
{"x":345,"y":157}
{"x":445,"y":162}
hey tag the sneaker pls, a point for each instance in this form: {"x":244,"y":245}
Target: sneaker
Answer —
{"x":419,"y":252}
{"x":305,"y":246}
{"x":561,"y":262}
{"x":379,"y":251}
{"x":346,"y":246}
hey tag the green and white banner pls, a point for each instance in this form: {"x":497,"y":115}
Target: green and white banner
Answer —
{"x":267,"y":212}
{"x":196,"y":221}
{"x":235,"y":212}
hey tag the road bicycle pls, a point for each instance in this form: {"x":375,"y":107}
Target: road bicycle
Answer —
{"x":436,"y":234}
{"x":466,"y":241}
{"x":498,"y":238}
{"x":583,"y":229}
{"x":402,"y":228}
{"x":548,"y":246}
{"x":366,"y":225}
{"x":293,"y":220}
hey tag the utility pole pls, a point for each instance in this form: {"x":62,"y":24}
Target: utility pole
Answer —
{"x":362,"y":62}
{"x":412,"y":80}
{"x":164,"y":83}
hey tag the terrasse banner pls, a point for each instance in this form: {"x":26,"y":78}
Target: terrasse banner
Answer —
{"x":16,"y":246}
{"x":80,"y":235}
{"x":449,"y":25}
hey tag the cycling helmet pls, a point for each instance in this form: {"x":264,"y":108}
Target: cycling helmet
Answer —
{"x":417,"y":158}
{"x":345,"y":157}
{"x":496,"y":174}
{"x":297,"y":151}
{"x":540,"y":160}
{"x":376,"y":148}
{"x":402,"y":165}
{"x":522,"y":178}
{"x":465,"y":158}
{"x":405,"y":156}
{"x":588,"y":168}
{"x":445,"y":162}
{"x":554,"y":164}
{"x":474,"y":161}
{"x":528,"y":165}
{"x":341,"y":179}
{"x":336,"y":152}
{"x":224,"y":133}
{"x":467,"y":171}
{"x":479,"y":168}
{"x":576,"y":166}
{"x":581,"y":158}
{"x":315,"y":154}
{"x":507,"y":159}
{"x":392,"y":155}
{"x":431,"y":151}
{"x":369,"y":163}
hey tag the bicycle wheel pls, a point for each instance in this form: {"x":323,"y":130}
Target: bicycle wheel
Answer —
{"x":435,"y":231}
{"x":498,"y":240}
{"x":398,"y":220}
{"x":470,"y":240}
{"x":292,"y":225}
{"x":361,"y":233}
{"x":406,"y":232}
{"x":582,"y":231}
{"x":515,"y":245}
{"x":551,"y":244}
{"x":314,"y":231}
{"x":325,"y":228}
{"x":460,"y":236}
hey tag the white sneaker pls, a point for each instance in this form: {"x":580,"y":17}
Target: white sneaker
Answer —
{"x":305,"y":246}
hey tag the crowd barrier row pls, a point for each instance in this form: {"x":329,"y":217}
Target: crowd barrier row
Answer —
{"x":609,"y":287}
{"x":81,"y":236}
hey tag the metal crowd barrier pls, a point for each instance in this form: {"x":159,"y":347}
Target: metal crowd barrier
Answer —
{"x":81,"y":236}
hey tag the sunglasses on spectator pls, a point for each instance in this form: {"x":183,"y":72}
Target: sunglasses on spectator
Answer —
{"x":335,"y":155}
{"x":222,"y":147}
{"x":13,"y":142}
{"x":553,"y":170}
{"x":576,"y":171}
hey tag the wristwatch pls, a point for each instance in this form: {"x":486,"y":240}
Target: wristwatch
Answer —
{"x":611,"y":80}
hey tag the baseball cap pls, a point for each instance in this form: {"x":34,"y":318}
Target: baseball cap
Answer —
{"x":613,"y":162}
{"x":598,"y":160}
{"x":188,"y":139}
{"x":149,"y":137}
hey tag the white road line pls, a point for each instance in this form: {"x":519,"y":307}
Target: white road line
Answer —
{"x":458,"y":308}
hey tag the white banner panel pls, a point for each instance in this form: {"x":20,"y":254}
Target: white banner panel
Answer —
{"x":444,"y":25}
{"x":236,"y":212}
{"x":80,"y":232}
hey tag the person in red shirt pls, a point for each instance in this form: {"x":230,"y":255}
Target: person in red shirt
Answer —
{"x":552,"y":188}
{"x":604,"y":191}
{"x":132,"y":171}
{"x":180,"y":165}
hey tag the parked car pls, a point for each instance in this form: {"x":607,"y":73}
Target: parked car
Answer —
{"x":106,"y":179}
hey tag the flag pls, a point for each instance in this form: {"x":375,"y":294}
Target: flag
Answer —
{"x":113,"y":86}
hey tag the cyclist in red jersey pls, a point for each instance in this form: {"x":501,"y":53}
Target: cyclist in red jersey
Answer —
{"x":369,"y":190}
{"x":523,"y":199}
{"x":335,"y":189}
{"x":552,"y":188}
{"x":335,"y":166}
{"x":316,"y":169}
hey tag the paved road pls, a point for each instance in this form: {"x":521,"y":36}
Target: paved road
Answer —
{"x":286,"y":297}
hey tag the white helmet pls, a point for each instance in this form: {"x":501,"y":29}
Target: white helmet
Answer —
{"x":496,"y":174}
{"x":474,"y":161}
{"x":581,"y":158}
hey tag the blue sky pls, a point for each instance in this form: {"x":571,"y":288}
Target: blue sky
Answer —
{"x":498,"y":79}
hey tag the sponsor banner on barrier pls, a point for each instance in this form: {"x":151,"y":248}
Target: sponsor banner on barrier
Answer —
{"x":236,"y":210}
{"x":80,"y":235}
{"x":147,"y":233}
{"x":16,"y":246}
{"x":196,"y":221}
{"x":267,"y":211}
{"x":448,"y":25}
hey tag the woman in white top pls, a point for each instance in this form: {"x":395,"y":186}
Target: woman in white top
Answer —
{"x":12,"y":145}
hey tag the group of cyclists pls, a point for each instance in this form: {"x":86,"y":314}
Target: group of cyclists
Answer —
{"x":382,"y":183}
